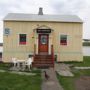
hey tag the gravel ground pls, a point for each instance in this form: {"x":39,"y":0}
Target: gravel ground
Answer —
{"x":83,"y":83}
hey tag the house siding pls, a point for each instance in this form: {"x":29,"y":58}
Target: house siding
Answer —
{"x":70,"y":52}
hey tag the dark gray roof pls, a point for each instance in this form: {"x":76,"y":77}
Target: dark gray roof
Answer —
{"x":36,"y":17}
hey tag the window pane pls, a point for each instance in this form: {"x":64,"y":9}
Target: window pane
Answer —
{"x":22,"y":39}
{"x":63,"y":39}
{"x":43,"y":39}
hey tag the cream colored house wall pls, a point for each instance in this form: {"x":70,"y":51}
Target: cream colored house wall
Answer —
{"x":71,"y":52}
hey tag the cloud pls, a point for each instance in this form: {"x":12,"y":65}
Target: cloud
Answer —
{"x":68,"y":6}
{"x":24,"y":6}
{"x":78,"y":7}
{"x":21,"y":6}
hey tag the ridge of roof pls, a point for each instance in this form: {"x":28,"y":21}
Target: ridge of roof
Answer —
{"x":44,"y":17}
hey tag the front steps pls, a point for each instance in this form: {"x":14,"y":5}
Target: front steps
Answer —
{"x":43,"y":61}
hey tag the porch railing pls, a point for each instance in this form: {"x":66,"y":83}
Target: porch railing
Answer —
{"x":34,"y":48}
{"x":34,"y":51}
{"x":52,"y":53}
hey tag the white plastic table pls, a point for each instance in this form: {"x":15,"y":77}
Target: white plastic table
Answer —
{"x":20,"y":62}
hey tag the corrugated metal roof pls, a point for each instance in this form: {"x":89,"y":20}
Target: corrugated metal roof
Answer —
{"x":36,"y":17}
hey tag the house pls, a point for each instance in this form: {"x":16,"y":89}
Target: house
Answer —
{"x":43,"y":36}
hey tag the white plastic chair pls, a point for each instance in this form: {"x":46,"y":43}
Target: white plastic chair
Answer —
{"x":14,"y":61}
{"x":28,"y":63}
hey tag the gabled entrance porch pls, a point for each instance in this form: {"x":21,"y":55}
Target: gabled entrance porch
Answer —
{"x":43,"y":48}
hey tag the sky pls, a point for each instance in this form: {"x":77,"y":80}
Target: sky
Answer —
{"x":66,"y":7}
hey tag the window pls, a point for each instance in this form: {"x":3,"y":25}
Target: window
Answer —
{"x":22,"y":39}
{"x":7,"y":31}
{"x":63,"y":39}
{"x":43,"y":39}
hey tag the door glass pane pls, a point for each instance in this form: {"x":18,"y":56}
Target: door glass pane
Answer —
{"x":43,"y":39}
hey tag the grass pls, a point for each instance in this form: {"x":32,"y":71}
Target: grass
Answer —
{"x":9,"y":81}
{"x":68,"y":82}
{"x":86,"y":43}
{"x":4,"y":66}
{"x":18,"y":82}
{"x":85,"y":63}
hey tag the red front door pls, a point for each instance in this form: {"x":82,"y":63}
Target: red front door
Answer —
{"x":43,"y":43}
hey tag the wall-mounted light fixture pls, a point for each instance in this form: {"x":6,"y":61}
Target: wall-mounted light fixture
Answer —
{"x":33,"y":37}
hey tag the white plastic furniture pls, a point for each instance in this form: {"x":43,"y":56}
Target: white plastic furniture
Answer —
{"x":14,"y":61}
{"x":28,"y":63}
{"x":20,"y":63}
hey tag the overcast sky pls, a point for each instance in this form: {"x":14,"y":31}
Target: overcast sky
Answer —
{"x":75,"y":7}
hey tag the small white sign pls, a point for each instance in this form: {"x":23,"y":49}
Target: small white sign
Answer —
{"x":7,"y":31}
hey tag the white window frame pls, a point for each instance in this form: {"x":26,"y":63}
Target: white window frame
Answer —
{"x":26,"y":39}
{"x":60,"y":39}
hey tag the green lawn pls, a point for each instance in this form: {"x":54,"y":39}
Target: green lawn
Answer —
{"x":85,"y":63}
{"x":68,"y":82}
{"x":5,"y":66}
{"x":9,"y":81}
{"x":86,"y":43}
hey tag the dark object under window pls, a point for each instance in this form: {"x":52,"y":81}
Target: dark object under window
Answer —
{"x":22,"y":39}
{"x":63,"y":39}
{"x":0,"y":55}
